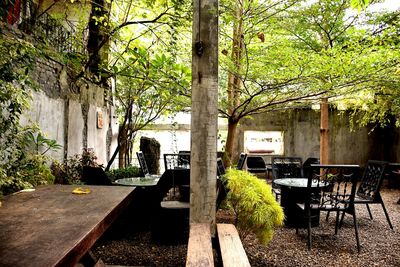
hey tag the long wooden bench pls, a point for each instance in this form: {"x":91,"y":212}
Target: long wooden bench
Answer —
{"x":200,"y":250}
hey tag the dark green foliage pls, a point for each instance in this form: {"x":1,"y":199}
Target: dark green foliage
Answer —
{"x":130,"y":171}
{"x":70,"y":171}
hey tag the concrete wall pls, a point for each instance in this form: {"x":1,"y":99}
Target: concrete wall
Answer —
{"x":301,"y":137}
{"x":67,"y":112}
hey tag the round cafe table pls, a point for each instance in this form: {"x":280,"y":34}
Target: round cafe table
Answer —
{"x":138,"y":181}
{"x":145,"y":201}
{"x":293,"y":190}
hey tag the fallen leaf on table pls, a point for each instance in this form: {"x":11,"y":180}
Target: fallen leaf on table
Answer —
{"x":81,"y":191}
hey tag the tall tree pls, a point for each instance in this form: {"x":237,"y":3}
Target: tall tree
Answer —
{"x":293,"y":52}
{"x":149,"y":63}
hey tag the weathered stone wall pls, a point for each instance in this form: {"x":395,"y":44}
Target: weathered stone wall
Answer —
{"x":68,"y":111}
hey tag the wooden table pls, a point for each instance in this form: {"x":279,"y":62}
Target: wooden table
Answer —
{"x":53,"y":227}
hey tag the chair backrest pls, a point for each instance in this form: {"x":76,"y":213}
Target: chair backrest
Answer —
{"x":177,"y":161}
{"x":242,"y":159}
{"x":222,"y":190}
{"x":307,"y":166}
{"x":142,"y":163}
{"x":184,"y":159}
{"x":332,"y":187}
{"x":255,"y":162}
{"x":371,"y":180}
{"x":286,"y":167}
{"x":95,"y":176}
{"x":220,"y":167}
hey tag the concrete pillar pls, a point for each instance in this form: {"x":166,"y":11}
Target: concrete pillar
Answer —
{"x":204,"y":112}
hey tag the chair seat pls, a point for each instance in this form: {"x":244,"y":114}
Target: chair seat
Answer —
{"x":358,"y":199}
{"x":175,"y":204}
{"x":326,"y":207}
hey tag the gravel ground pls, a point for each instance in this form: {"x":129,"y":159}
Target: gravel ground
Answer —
{"x":380,"y":246}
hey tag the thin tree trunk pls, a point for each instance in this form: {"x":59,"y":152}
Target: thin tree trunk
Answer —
{"x":230,"y":147}
{"x":234,"y":84}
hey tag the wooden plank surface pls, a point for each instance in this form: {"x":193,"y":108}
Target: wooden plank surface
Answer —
{"x":53,"y":227}
{"x":231,"y":248}
{"x":199,"y":252}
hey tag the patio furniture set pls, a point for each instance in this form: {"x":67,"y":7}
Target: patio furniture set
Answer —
{"x":81,"y":219}
{"x":325,"y":187}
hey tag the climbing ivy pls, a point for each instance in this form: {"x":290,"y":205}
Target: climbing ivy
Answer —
{"x":22,"y":158}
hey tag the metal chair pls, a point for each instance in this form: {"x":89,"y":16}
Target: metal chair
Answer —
{"x":177,"y":161}
{"x":95,"y":176}
{"x":220,"y":167}
{"x":285,"y":167}
{"x":369,"y":190}
{"x":241,"y":161}
{"x":331,"y":188}
{"x":307,"y":166}
{"x":222,"y":190}
{"x":256,"y":164}
{"x":142,"y":163}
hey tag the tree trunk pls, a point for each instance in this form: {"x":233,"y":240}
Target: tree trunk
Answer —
{"x":123,"y":146}
{"x":234,"y":84}
{"x":97,"y":33}
{"x":230,"y":147}
{"x":324,"y":132}
{"x":203,"y":171}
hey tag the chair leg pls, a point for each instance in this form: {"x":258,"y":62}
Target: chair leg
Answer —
{"x":309,"y":232}
{"x":386,"y":214}
{"x":337,"y":222}
{"x":356,"y":231}
{"x":327,"y":216}
{"x":341,"y":219}
{"x":369,"y":211}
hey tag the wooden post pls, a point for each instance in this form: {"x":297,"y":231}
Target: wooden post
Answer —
{"x":204,"y":113}
{"x":324,"y":132}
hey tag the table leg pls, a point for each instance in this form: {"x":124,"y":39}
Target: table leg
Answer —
{"x":294,"y":215}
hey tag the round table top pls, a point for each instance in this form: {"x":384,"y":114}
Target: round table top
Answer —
{"x":293,"y":182}
{"x":138,"y":181}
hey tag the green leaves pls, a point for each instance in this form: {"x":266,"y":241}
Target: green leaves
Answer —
{"x":254,"y":205}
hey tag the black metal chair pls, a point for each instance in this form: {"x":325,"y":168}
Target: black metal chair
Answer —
{"x":177,"y":161}
{"x":142,"y":163}
{"x":285,"y":167}
{"x":220,"y":167}
{"x":95,"y":176}
{"x":241,"y":161}
{"x":331,"y":188}
{"x":256,"y":164}
{"x":222,"y":190}
{"x":368,"y":191}
{"x":307,"y":166}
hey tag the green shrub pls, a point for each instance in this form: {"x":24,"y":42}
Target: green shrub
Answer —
{"x":70,"y":171}
{"x":254,"y":205}
{"x":130,"y":171}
